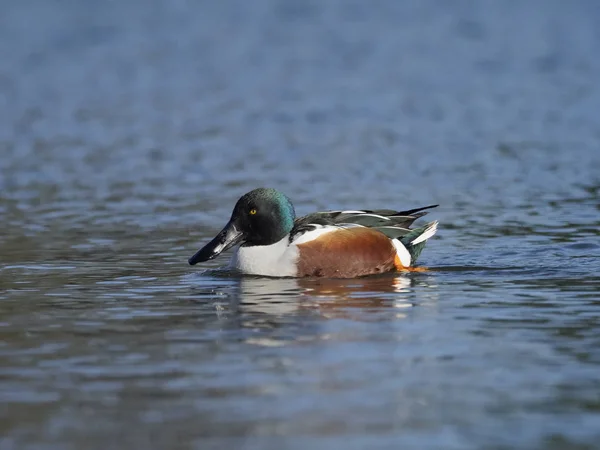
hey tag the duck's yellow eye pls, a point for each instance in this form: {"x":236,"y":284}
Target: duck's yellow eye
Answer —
{"x":253,"y":211}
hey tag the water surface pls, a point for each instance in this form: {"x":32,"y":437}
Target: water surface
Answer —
{"x":129,"y":129}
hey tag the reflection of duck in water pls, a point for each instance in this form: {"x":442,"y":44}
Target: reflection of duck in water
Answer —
{"x":340,"y":244}
{"x":331,"y":297}
{"x":291,"y":305}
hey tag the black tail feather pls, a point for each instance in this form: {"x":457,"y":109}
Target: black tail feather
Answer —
{"x":412,"y":211}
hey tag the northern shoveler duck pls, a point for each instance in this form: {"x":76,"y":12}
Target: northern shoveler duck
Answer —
{"x":340,"y":244}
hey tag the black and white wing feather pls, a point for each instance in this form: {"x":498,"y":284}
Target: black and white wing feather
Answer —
{"x":393,"y":224}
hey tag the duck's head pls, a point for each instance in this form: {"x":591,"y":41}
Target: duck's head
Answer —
{"x":263,"y":216}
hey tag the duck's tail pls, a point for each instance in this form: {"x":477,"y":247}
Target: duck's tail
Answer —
{"x":410,"y":246}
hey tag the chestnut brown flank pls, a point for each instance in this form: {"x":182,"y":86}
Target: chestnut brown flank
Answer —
{"x":346,"y":253}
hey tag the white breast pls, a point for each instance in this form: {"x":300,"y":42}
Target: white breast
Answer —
{"x":276,"y":260}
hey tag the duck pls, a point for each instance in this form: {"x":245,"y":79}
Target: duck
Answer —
{"x":271,"y":241}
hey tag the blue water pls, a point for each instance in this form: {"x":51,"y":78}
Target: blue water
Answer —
{"x":129,"y":129}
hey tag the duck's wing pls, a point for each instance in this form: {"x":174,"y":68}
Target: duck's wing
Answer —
{"x":393,"y":224}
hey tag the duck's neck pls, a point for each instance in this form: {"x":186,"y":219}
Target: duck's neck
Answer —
{"x":267,"y":236}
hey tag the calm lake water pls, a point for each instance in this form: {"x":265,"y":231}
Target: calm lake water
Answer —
{"x":128,"y":129}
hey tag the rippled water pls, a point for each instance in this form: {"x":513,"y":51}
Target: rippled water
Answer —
{"x":129,"y":129}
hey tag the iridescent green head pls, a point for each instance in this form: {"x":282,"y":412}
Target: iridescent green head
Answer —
{"x":263,"y":216}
